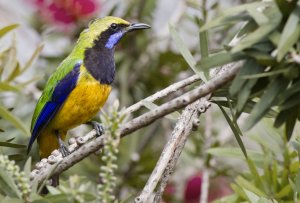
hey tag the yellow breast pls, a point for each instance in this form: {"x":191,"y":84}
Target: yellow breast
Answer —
{"x":82,"y":104}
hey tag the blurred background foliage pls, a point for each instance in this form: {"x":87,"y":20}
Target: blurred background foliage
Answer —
{"x":258,"y":165}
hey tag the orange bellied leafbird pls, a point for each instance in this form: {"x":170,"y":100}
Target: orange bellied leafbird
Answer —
{"x":80,"y":86}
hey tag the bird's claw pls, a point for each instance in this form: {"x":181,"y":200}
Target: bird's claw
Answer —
{"x":64,"y":150}
{"x":98,"y":128}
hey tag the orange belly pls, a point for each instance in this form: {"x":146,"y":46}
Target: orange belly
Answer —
{"x":82,"y":104}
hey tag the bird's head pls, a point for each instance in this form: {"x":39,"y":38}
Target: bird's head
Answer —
{"x":108,"y":31}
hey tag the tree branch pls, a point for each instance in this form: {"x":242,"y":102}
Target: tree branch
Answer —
{"x":163,"y":93}
{"x":172,"y":150}
{"x":45,"y":168}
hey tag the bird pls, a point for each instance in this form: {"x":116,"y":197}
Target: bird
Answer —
{"x":80,"y":85}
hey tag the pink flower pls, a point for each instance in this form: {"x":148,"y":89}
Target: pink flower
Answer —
{"x":193,"y":189}
{"x":66,"y":11}
{"x":218,"y":187}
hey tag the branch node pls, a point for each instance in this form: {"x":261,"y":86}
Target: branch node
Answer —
{"x":33,"y":173}
{"x":39,"y":165}
{"x":72,"y":140}
{"x":81,"y":140}
{"x":52,"y":159}
{"x":55,"y":153}
{"x":196,"y":124}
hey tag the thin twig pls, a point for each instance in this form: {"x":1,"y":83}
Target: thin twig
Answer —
{"x":163,"y":93}
{"x":181,"y":130}
{"x":206,"y":173}
{"x":137,"y":123}
{"x":187,"y":122}
{"x":205,"y":186}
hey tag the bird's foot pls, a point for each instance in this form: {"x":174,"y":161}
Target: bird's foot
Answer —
{"x":98,"y":127}
{"x":63,"y":149}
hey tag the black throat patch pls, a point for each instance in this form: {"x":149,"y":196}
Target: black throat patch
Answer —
{"x":99,"y":60}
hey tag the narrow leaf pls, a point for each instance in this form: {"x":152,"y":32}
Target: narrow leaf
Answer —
{"x":275,"y":87}
{"x":6,"y":29}
{"x":219,"y":59}
{"x":4,"y":86}
{"x":186,"y":53}
{"x":7,"y":115}
{"x":11,"y":145}
{"x":27,"y":167}
{"x":242,"y":182}
{"x":290,"y":34}
{"x":33,"y":56}
{"x":235,"y":131}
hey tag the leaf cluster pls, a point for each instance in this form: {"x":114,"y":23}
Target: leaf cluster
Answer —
{"x":269,"y":45}
{"x":10,"y":70}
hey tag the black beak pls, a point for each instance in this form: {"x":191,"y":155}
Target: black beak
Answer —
{"x":137,"y":26}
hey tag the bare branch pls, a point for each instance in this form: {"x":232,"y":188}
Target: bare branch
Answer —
{"x":182,"y":101}
{"x":168,"y":159}
{"x":163,"y":93}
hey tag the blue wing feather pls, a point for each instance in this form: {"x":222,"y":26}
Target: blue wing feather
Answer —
{"x":61,"y":92}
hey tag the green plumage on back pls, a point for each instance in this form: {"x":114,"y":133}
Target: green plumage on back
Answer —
{"x":63,"y":69}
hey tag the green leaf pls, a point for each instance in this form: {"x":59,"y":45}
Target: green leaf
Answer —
{"x":53,"y":190}
{"x":17,"y":157}
{"x":242,"y":182}
{"x":266,"y":74}
{"x":4,"y":86}
{"x":224,"y":21}
{"x":290,"y":102}
{"x":6,"y":29}
{"x":27,"y":167}
{"x":282,"y":117}
{"x":239,"y":80}
{"x":59,"y":198}
{"x":257,"y":15}
{"x":290,"y":34}
{"x":11,"y":145}
{"x":245,"y":91}
{"x":203,"y":44}
{"x":219,"y":59}
{"x":7,"y":115}
{"x":243,"y":7}
{"x":248,"y":107}
{"x":249,"y":26}
{"x":34,"y":79}
{"x":234,"y":152}
{"x":231,"y":16}
{"x":272,"y":91}
{"x":186,"y":53}
{"x":290,"y":124}
{"x":274,"y":16}
{"x":244,"y":94}
{"x":258,"y":180}
{"x":31,"y":59}
{"x":297,"y":182}
{"x":293,"y":89}
{"x":235,"y":131}
{"x":283,"y":192}
{"x":268,"y":142}
{"x":253,"y":198}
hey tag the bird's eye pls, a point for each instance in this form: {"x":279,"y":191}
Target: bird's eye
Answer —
{"x":114,"y":26}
